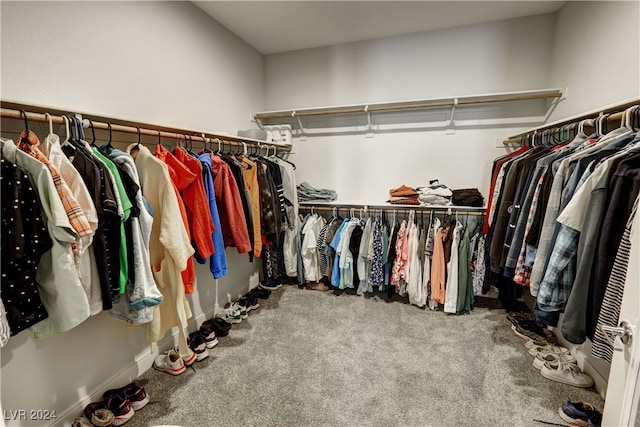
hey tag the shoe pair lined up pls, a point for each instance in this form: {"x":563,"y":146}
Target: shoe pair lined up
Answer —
{"x":201,"y":341}
{"x":553,"y":361}
{"x":117,"y":407}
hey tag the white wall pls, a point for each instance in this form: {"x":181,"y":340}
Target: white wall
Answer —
{"x":157,"y":62}
{"x":495,"y":57}
{"x":596,"y":54}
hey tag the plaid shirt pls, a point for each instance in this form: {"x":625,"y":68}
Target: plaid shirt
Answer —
{"x":522,"y":274}
{"x":76,"y":215}
{"x":560,"y":272}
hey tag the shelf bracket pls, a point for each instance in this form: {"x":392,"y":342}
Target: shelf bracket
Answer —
{"x":450,"y":129}
{"x":301,"y":132}
{"x":369,"y":131}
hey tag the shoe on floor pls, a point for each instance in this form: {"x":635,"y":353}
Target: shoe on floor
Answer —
{"x":231,"y":315}
{"x":198,"y":346}
{"x":566,"y":373}
{"x":135,"y":394}
{"x":549,"y":348}
{"x":189,"y":358}
{"x":170,"y":362}
{"x":535,"y":343}
{"x":209,"y":335}
{"x":552,"y":358}
{"x":98,"y":414}
{"x":317,"y":286}
{"x":121,"y":408}
{"x":579,"y":413}
{"x":531,"y":330}
{"x":220,"y":326}
{"x":249,"y":302}
{"x":517,"y":317}
{"x":271,"y":284}
{"x":260,"y":292}
{"x":244,"y":313}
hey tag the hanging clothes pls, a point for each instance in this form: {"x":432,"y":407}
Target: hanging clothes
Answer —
{"x":85,"y":256}
{"x":141,"y":292}
{"x":438,"y":265}
{"x":57,"y":277}
{"x":169,"y":247}
{"x":232,"y":220}
{"x":451,"y":292}
{"x":218,"y":260}
{"x":195,"y":201}
{"x":612,"y":300}
{"x":25,"y":233}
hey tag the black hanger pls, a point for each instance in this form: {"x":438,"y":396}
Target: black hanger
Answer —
{"x":159,"y":136}
{"x":26,"y":126}
{"x":93,"y":133}
{"x":110,"y":135}
{"x":138,"y":145}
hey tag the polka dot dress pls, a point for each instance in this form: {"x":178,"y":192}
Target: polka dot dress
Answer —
{"x":24,"y":240}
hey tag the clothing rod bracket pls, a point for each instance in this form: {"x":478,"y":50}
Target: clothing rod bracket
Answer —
{"x":369,"y":129}
{"x":450,"y":129}
{"x":302,"y":134}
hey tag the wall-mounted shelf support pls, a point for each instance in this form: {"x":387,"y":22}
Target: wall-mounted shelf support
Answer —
{"x":301,"y":131}
{"x":369,"y":131}
{"x":451,"y":128}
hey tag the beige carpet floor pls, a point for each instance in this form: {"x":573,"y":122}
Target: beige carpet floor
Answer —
{"x":308,"y":358}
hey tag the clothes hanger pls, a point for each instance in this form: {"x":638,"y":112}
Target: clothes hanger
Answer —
{"x":47,"y":141}
{"x":139,"y":136}
{"x":93,"y":134}
{"x":67,"y":143}
{"x":110,"y":135}
{"x":25,"y":138}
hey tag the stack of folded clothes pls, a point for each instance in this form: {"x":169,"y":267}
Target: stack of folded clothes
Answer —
{"x":403,"y":195}
{"x":435,"y":194}
{"x":307,"y":193}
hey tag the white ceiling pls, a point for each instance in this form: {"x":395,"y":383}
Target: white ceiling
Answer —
{"x":280,"y":26}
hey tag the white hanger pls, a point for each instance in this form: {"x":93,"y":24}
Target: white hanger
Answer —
{"x":244,"y":148}
{"x":627,"y":117}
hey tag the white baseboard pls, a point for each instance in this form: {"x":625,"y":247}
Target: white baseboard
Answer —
{"x":128,"y":373}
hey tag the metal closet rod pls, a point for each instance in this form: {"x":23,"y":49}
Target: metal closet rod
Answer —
{"x":142,"y":128}
{"x":614,"y":112}
{"x":370,"y":208}
{"x":410,"y":105}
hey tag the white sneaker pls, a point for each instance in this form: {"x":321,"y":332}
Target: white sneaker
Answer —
{"x":170,"y":362}
{"x":552,"y":358}
{"x":240,"y":309}
{"x":190,"y":358}
{"x":231,"y":316}
{"x":532,"y":343}
{"x":549,"y":348}
{"x":566,"y":373}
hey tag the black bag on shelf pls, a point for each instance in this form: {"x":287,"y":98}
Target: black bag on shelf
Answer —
{"x":467,"y":197}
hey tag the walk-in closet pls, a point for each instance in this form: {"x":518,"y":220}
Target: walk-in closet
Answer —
{"x":317,"y":213}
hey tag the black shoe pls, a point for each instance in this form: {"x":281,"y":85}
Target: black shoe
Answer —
{"x":209,"y":335}
{"x":198,"y":345}
{"x":219,"y":326}
{"x":249,"y":302}
{"x":252,"y":301}
{"x":270,"y":285}
{"x":260,"y":293}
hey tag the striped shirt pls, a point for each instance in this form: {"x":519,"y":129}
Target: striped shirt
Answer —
{"x":610,"y":311}
{"x":29,"y":144}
